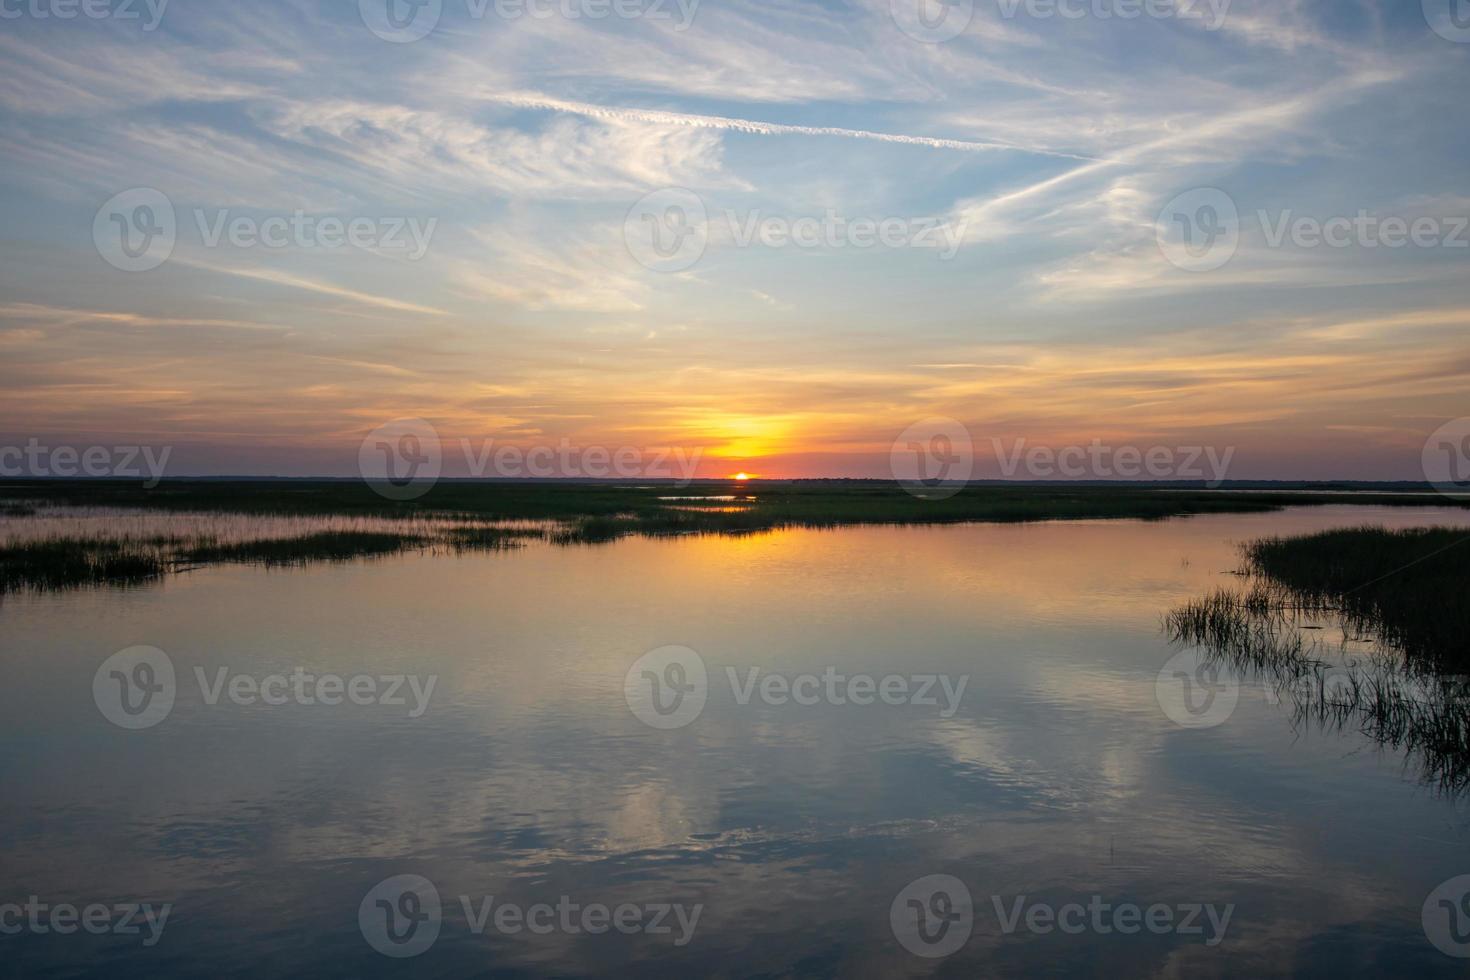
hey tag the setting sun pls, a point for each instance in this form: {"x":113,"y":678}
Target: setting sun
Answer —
{"x":742,"y":477}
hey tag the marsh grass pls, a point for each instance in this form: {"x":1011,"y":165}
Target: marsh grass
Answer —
{"x":324,"y":546}
{"x":777,"y":503}
{"x":184,"y":523}
{"x":1411,"y":588}
{"x":489,"y":538}
{"x":53,"y":565}
{"x":142,"y":547}
{"x":1403,"y":593}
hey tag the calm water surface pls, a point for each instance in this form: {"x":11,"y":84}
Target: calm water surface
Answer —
{"x":527,"y":778}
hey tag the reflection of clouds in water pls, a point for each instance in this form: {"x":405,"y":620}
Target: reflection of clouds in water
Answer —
{"x":529,"y":773}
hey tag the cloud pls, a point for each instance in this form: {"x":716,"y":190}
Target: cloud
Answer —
{"x":532,"y":101}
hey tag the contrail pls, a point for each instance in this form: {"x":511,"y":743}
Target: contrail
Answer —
{"x":754,"y":126}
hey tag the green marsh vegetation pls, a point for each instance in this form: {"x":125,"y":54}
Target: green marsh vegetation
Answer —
{"x":53,"y":548}
{"x":492,"y":515}
{"x":1400,"y":671}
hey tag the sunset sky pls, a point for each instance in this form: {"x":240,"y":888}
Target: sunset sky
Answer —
{"x":1047,"y":146}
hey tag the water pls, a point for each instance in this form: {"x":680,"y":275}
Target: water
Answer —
{"x":527,"y":777}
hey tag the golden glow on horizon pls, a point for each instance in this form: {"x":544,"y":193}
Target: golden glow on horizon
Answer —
{"x":1328,"y":397}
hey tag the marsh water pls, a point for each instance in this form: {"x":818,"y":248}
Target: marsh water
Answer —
{"x":527,"y":774}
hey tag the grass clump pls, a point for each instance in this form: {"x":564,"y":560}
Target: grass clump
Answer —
{"x":1410,"y":587}
{"x":68,"y":564}
{"x":489,"y":538}
{"x":1404,"y":591}
{"x":323,"y":546}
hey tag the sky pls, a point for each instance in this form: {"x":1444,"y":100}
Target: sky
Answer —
{"x":776,"y":236}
